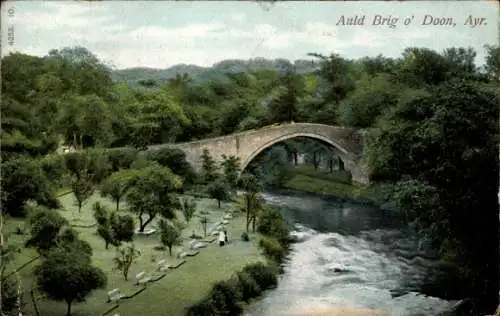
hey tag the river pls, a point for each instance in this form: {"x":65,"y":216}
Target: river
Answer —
{"x":349,"y":256}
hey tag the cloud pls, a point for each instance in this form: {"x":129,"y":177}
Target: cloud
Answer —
{"x":62,"y":16}
{"x":116,"y":32}
{"x":238,"y":17}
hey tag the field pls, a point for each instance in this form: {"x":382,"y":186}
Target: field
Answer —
{"x":305,"y":178}
{"x":170,"y":295}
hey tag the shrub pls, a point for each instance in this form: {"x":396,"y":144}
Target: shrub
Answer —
{"x":204,"y":307}
{"x":54,"y":168}
{"x":226,"y":297}
{"x":264,"y":275}
{"x":245,"y":237}
{"x":121,"y":158}
{"x":272,"y":249}
{"x":248,"y":286}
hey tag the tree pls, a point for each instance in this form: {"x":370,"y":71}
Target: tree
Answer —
{"x":154,"y":193}
{"x":252,"y":201}
{"x":492,"y":66}
{"x":218,"y":190}
{"x":45,"y":228}
{"x":170,"y":235}
{"x":125,"y":257}
{"x":23,"y":180}
{"x":83,"y":190}
{"x":204,"y":223}
{"x":117,"y":185}
{"x":284,"y":108}
{"x":208,"y":166}
{"x":188,"y":207}
{"x":68,"y":276}
{"x":113,"y":228}
{"x":85,"y":120}
{"x":8,"y":287}
{"x":231,"y":167}
{"x":438,"y":150}
{"x":175,"y":160}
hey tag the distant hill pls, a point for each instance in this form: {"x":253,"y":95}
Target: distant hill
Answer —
{"x":202,"y":74}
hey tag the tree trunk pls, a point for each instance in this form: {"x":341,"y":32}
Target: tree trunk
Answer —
{"x":248,"y":219}
{"x":68,"y":309}
{"x":117,"y":205}
{"x":218,"y":201}
{"x":143,"y":225}
{"x":253,"y":224}
{"x":170,"y":250}
{"x":79,"y":207}
{"x":35,"y":304}
{"x":330,"y":165}
{"x":295,"y":158}
{"x":315,"y":160}
{"x":107,"y":244}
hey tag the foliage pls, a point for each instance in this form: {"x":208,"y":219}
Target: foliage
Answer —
{"x":83,"y":190}
{"x":209,"y":167}
{"x":154,"y":193}
{"x":68,"y":276}
{"x":125,"y":257}
{"x":45,"y":228}
{"x":175,"y":160}
{"x":113,"y":228}
{"x":438,"y":165}
{"x":117,"y":185}
{"x":188,"y":208}
{"x":23,"y":180}
{"x":272,"y":249}
{"x":264,"y":275}
{"x":170,"y":235}
{"x":272,"y":223}
{"x":245,"y":237}
{"x":231,"y":169}
{"x":219,"y":191}
{"x":121,"y":158}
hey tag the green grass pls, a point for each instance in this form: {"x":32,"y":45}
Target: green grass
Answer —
{"x":168,"y":296}
{"x":338,"y":183}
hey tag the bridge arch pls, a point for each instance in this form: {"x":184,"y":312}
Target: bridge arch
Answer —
{"x":245,"y":161}
{"x":247,"y":145}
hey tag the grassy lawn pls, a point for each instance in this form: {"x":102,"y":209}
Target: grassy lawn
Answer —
{"x":305,"y":178}
{"x":168,"y":296}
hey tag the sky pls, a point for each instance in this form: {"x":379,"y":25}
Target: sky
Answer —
{"x":160,"y":34}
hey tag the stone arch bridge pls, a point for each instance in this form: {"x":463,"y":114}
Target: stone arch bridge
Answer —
{"x":247,"y":145}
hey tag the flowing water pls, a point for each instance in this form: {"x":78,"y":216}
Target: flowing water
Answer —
{"x":348,"y":256}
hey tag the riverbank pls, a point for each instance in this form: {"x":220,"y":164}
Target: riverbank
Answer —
{"x":336,"y":184}
{"x":172,"y":294}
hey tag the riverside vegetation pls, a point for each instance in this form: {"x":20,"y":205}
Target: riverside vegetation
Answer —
{"x":431,"y":122}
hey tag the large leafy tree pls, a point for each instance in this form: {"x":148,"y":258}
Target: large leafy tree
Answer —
{"x":154,"y":194}
{"x":24,"y":180}
{"x":442,"y":152}
{"x":68,"y":275}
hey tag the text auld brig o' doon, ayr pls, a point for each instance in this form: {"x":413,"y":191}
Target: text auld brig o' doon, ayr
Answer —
{"x":392,"y":21}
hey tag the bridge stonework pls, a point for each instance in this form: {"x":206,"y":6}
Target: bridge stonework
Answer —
{"x":247,"y":145}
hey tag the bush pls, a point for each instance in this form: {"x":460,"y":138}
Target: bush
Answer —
{"x":54,"y":168}
{"x":272,"y":249}
{"x":245,"y":237}
{"x":204,"y":307}
{"x":226,"y":297}
{"x":272,"y":223}
{"x":121,"y":158}
{"x":264,"y":275}
{"x":247,"y":286}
